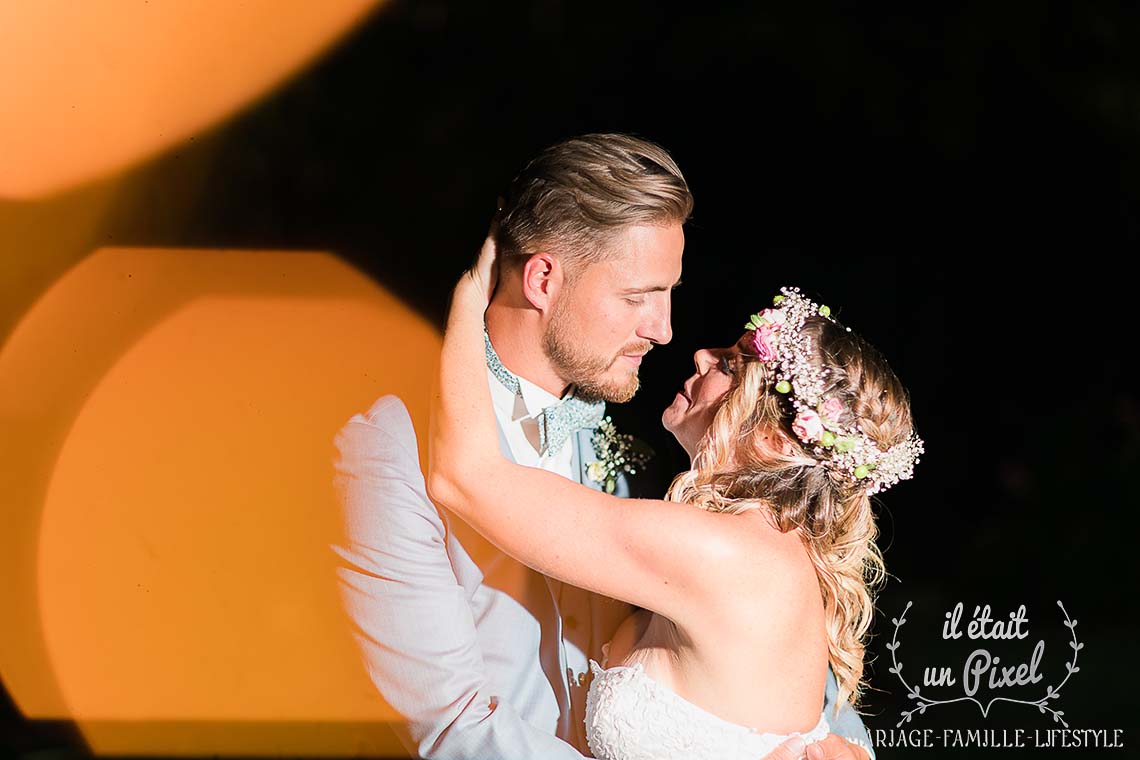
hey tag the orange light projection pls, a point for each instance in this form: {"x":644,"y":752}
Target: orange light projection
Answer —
{"x":168,"y":425}
{"x":90,"y":88}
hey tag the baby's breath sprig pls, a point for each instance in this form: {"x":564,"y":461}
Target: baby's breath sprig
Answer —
{"x":779,"y":340}
{"x":616,"y":453}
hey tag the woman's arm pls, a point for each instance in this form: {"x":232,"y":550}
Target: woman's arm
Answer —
{"x":660,"y":555}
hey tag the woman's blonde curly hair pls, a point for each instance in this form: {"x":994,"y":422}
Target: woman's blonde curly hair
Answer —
{"x":738,"y":468}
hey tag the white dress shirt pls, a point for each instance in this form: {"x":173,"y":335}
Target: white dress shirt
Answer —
{"x":518,"y":414}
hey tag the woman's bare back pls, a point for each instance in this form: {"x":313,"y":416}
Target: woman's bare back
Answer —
{"x":755,"y":659}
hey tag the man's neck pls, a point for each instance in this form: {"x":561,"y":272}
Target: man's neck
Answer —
{"x":516,"y":335}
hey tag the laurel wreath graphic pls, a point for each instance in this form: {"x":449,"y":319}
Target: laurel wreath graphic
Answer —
{"x":923,"y":702}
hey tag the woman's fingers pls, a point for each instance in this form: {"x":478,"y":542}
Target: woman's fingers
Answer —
{"x":792,"y":749}
{"x":485,"y":270}
{"x":834,"y":747}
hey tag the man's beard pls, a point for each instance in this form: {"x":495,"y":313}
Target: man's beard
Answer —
{"x":587,"y":371}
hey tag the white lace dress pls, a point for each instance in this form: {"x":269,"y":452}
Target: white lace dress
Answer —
{"x":629,"y":716}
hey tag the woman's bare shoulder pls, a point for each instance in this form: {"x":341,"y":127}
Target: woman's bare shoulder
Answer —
{"x":763,"y":561}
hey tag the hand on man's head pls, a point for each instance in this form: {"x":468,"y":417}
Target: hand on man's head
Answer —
{"x":484,"y":273}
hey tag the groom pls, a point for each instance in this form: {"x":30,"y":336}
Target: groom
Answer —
{"x":478,"y":667}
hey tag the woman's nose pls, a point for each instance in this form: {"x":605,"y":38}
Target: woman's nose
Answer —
{"x":702,"y":359}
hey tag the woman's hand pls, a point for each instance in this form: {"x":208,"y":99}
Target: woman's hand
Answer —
{"x":484,"y":273}
{"x":831,"y":747}
{"x":463,"y":422}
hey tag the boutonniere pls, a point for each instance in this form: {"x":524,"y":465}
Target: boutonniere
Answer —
{"x":616,"y":453}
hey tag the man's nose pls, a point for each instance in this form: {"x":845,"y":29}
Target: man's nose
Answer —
{"x":658,"y":327}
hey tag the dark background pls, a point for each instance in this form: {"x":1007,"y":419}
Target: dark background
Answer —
{"x":959,"y":183}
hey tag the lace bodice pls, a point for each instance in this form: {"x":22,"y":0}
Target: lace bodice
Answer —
{"x":629,"y":716}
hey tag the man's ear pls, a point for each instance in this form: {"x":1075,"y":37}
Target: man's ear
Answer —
{"x":542,"y":279}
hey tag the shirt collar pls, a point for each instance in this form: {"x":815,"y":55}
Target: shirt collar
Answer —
{"x":530,"y":399}
{"x":536,"y":399}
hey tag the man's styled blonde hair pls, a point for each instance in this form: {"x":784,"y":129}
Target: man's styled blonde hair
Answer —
{"x":577,"y":195}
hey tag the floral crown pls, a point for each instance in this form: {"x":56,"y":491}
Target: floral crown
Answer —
{"x":780,"y":342}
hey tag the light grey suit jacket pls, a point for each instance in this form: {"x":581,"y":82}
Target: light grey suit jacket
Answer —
{"x":476,"y":672}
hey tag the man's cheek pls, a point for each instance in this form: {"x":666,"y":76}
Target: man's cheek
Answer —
{"x":615,"y":321}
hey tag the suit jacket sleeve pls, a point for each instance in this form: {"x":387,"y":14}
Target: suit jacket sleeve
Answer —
{"x":410,"y":615}
{"x":847,"y":724}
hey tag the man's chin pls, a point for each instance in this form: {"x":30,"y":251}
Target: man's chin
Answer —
{"x":628,"y":390}
{"x":615,"y":390}
{"x":620,"y":395}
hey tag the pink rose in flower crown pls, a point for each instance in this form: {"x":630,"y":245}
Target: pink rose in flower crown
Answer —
{"x":775,"y":317}
{"x":764,"y":343}
{"x":807,"y":426}
{"x":831,"y":410}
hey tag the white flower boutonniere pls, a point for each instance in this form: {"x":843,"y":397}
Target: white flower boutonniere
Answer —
{"x":617,"y":453}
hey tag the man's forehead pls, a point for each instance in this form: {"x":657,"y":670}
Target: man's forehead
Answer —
{"x":629,"y":275}
{"x":665,"y":242}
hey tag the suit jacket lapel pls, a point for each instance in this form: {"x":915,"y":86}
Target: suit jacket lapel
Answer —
{"x":583,"y":456}
{"x":552,"y":654}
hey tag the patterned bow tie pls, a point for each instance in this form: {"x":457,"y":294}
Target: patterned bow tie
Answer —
{"x":557,"y":422}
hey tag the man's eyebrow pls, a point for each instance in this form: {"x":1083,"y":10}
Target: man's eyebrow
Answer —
{"x":652,"y":288}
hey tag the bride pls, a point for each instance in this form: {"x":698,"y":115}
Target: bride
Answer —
{"x":752,"y":575}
